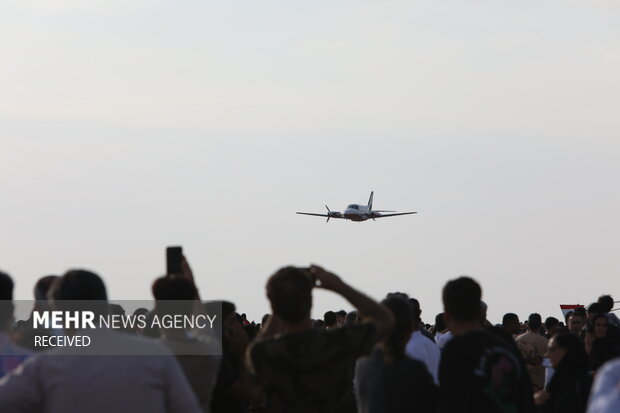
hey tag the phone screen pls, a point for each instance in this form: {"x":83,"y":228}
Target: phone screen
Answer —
{"x":174,"y":255}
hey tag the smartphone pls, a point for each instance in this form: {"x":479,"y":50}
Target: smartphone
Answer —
{"x":174,"y":256}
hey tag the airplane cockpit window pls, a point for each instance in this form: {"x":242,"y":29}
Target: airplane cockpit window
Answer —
{"x":353,"y":206}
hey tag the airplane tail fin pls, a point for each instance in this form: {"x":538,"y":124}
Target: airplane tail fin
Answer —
{"x":370,"y":201}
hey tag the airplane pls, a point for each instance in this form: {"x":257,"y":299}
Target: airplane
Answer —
{"x":358,"y":213}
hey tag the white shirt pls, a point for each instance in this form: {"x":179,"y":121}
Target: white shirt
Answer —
{"x":442,"y":339}
{"x":605,"y":394}
{"x":423,"y":349}
{"x":60,"y":383}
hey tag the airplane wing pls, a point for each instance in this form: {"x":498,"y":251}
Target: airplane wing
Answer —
{"x":318,"y":215}
{"x":393,"y":215}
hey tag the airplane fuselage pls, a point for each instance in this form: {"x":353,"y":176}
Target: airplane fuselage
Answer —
{"x":356,"y":212}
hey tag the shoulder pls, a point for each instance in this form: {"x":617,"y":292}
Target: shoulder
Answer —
{"x":523,"y":336}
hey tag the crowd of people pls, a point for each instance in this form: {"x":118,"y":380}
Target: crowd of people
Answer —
{"x":380,"y":357}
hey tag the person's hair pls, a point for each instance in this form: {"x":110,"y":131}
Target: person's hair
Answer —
{"x":580,"y":311}
{"x":534,"y":322}
{"x":574,"y":363}
{"x":6,"y":287}
{"x":594,"y":308}
{"x":6,"y":300}
{"x":215,"y":307}
{"x":461,"y":299}
{"x":551,"y":322}
{"x":510,"y":318}
{"x":290,"y":292}
{"x":318,"y":325}
{"x":606,"y":302}
{"x":42,"y":287}
{"x":342,"y":313}
{"x":265,"y":318}
{"x":80,"y":290}
{"x":329,"y":318}
{"x":440,"y":323}
{"x":592,"y":322}
{"x":174,"y":295}
{"x":352,"y":317}
{"x":415,"y":309}
{"x":403,"y":326}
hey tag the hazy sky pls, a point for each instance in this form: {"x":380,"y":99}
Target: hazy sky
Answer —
{"x":126,"y":126}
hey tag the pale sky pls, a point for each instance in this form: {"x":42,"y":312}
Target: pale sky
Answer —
{"x":127,"y":126}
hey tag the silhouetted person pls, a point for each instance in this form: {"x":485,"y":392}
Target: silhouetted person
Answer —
{"x":303,"y":369}
{"x":511,"y":324}
{"x":421,"y":347}
{"x":479,"y":372}
{"x":533,"y":346}
{"x":176,"y":296}
{"x":388,"y":381}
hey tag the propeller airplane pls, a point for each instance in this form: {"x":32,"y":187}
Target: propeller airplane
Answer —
{"x":356,"y":212}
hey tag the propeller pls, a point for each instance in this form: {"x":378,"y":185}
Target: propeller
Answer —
{"x":329,"y":213}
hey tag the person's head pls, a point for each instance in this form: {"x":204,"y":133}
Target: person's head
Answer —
{"x":534,"y":322}
{"x":174,"y":295}
{"x":551,"y":323}
{"x":416,"y":312}
{"x":580,"y":311}
{"x":598,"y":326}
{"x":264,"y":320}
{"x":290,"y":292}
{"x":80,"y":290}
{"x":6,"y":301}
{"x":395,"y":343}
{"x":606,"y":302}
{"x":511,"y":324}
{"x":575,"y":323}
{"x":42,"y":290}
{"x":566,"y":351}
{"x":330,"y":319}
{"x":461,"y":301}
{"x":352,"y":317}
{"x":42,"y":287}
{"x":593,"y":309}
{"x":440,"y":323}
{"x":483,"y":311}
{"x":340,"y":317}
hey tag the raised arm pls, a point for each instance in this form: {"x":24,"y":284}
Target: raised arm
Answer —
{"x":368,"y":308}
